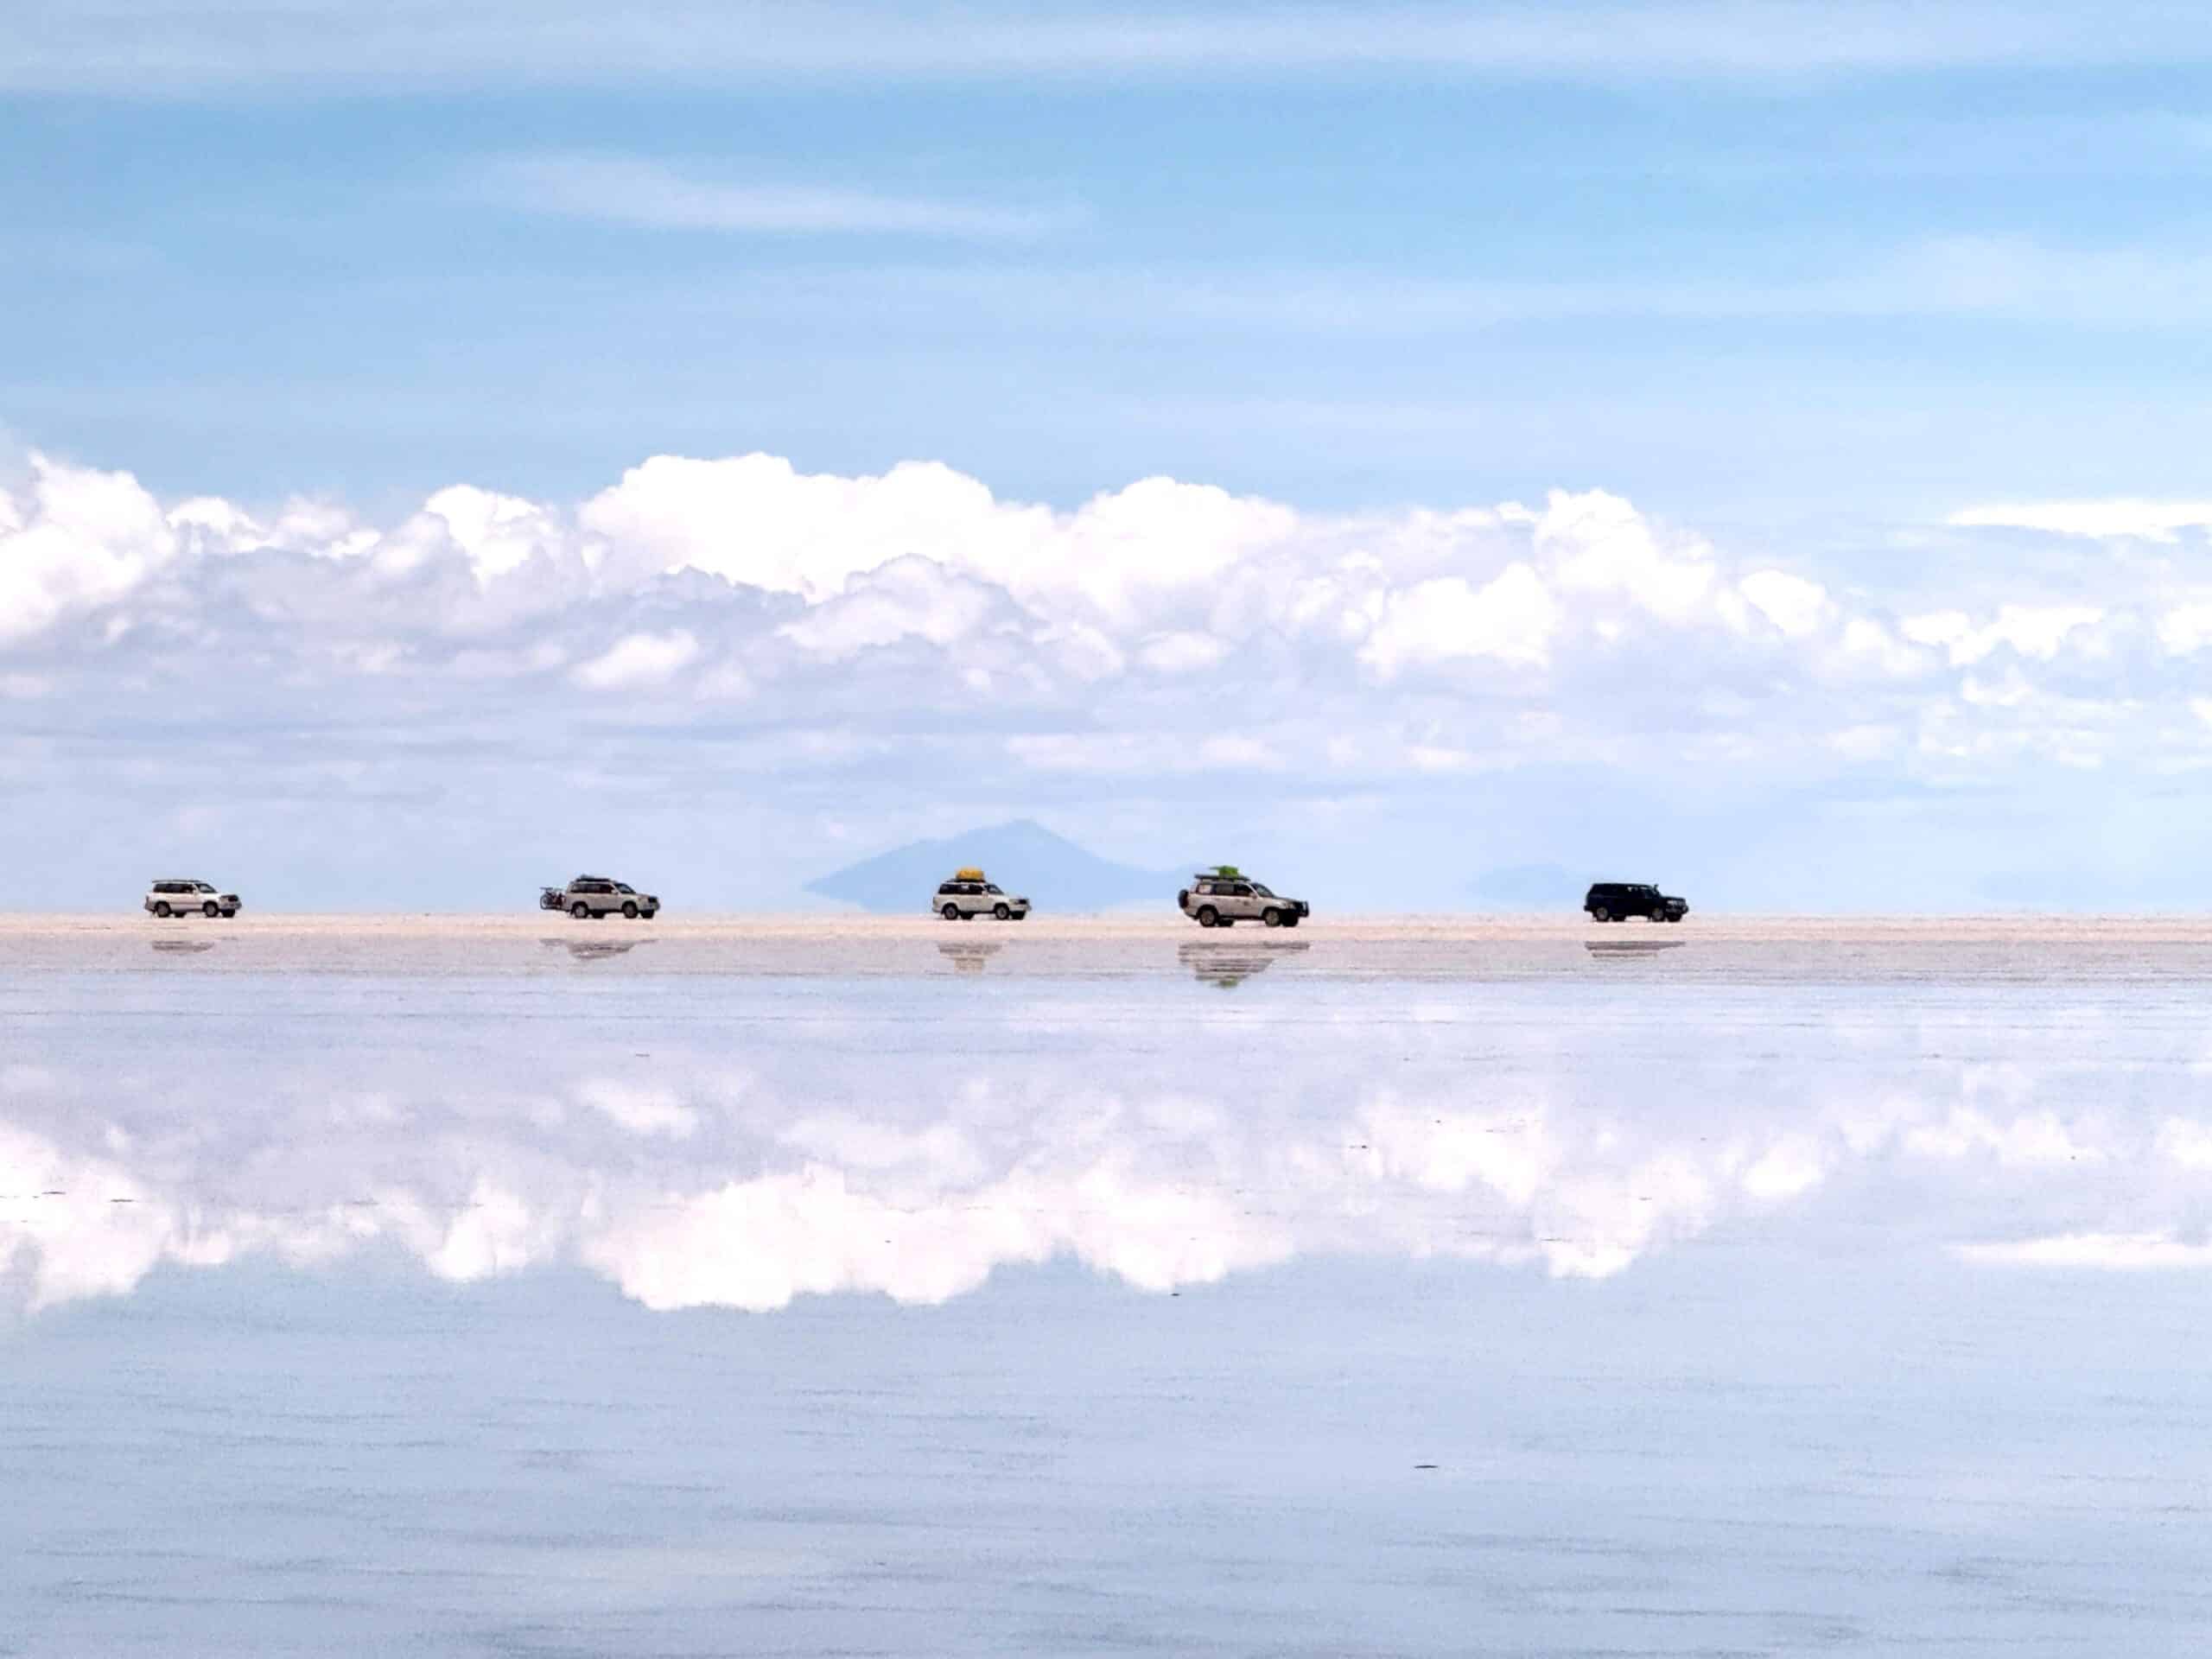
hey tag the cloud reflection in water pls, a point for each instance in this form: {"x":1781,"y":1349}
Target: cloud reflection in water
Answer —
{"x":705,"y":1141}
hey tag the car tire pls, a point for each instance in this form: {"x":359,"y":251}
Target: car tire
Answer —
{"x":1208,"y":916}
{"x":1002,"y":912}
{"x":211,"y":909}
{"x":1659,"y":914}
{"x":1675,"y":918}
{"x":630,"y":909}
{"x":1272,"y":916}
{"x":162,"y":910}
{"x":580,"y":910}
{"x":1601,"y":914}
{"x":1021,"y":915}
{"x":951,"y":912}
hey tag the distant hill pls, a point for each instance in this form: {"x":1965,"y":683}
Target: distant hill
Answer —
{"x":1022,"y":857}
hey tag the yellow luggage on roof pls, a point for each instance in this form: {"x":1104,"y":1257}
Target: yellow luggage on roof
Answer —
{"x":970,"y":874}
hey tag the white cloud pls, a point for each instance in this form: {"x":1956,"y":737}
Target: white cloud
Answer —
{"x":1793,"y":604}
{"x":2035,"y":631}
{"x":2121,"y":517}
{"x":1185,"y":652}
{"x":652,"y":194}
{"x":2112,"y":1252}
{"x":1510,"y":619}
{"x":82,"y":539}
{"x":639,"y":659}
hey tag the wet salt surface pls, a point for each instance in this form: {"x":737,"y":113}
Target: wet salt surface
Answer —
{"x":475,"y":1293}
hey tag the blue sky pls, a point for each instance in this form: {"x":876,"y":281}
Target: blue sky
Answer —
{"x":1805,"y":287}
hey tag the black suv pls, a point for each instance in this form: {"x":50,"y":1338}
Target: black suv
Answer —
{"x":1616,"y":901}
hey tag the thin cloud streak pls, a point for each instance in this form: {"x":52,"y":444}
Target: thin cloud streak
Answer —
{"x":156,"y":48}
{"x":649,"y":196}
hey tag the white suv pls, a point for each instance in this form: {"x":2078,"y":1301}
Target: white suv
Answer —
{"x":184,"y":898}
{"x":601,"y":896}
{"x":1225,"y":898}
{"x":967,"y":895}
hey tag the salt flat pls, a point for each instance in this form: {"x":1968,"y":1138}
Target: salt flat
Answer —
{"x":500,"y":1285}
{"x":1776,"y":948}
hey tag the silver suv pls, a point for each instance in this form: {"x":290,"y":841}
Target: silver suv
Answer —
{"x":184,"y":898}
{"x":601,"y":896}
{"x":1227,"y":897}
{"x":965,"y":895}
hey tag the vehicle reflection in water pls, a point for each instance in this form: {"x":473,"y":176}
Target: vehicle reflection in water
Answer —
{"x":592,"y":950}
{"x":1220,"y":962}
{"x":182,"y":947}
{"x":969,"y":958}
{"x":1617,"y":948}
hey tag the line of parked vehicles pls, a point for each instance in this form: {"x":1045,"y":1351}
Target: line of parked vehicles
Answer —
{"x":1221,"y":897}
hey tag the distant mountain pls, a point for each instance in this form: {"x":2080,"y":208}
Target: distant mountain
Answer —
{"x":1530,"y":886}
{"x":1022,"y":857}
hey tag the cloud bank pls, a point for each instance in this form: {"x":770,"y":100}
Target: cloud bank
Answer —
{"x":887,"y":641}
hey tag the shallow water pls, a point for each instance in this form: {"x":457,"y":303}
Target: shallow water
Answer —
{"x":502,"y":1291}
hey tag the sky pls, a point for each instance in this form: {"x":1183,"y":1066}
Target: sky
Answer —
{"x":1743,"y":447}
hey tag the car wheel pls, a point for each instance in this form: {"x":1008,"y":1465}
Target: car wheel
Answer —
{"x":580,"y":910}
{"x":211,"y":909}
{"x":1675,"y":918}
{"x":1003,"y":912}
{"x":629,"y":910}
{"x":1272,"y":917}
{"x":162,"y":911}
{"x":1659,"y":914}
{"x":1208,"y":916}
{"x":1021,"y":915}
{"x":951,"y":913}
{"x":1601,"y":914}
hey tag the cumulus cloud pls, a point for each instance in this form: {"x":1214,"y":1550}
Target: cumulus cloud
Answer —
{"x":81,"y":539}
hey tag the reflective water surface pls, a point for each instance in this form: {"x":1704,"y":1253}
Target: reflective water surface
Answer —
{"x":595,"y":1293}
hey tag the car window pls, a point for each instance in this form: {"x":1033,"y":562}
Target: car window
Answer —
{"x":1262,"y":890}
{"x":202,"y":886}
{"x":1240,"y":891}
{"x":992,"y":886}
{"x":624,"y":887}
{"x":946,"y":887}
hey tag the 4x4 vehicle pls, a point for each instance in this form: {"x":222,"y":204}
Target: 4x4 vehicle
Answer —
{"x":1616,"y":901}
{"x":184,"y":898}
{"x":1225,"y":896}
{"x":966,"y":894}
{"x":600,"y":896}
